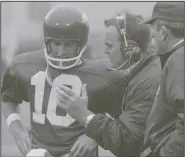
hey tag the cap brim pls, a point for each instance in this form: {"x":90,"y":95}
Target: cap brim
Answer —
{"x":148,"y":21}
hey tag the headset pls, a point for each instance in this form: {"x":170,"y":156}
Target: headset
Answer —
{"x":128,"y":44}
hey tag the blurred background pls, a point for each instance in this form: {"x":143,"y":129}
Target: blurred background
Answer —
{"x":21,"y":24}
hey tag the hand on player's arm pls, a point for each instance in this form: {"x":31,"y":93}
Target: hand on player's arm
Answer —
{"x":21,"y":136}
{"x":74,"y":105}
{"x":19,"y":133}
{"x":84,"y":147}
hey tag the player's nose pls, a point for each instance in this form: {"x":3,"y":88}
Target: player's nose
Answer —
{"x":61,"y":51}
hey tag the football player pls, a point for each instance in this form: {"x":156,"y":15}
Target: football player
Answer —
{"x":34,"y":77}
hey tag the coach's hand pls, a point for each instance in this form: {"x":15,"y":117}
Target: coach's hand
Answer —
{"x":21,"y":136}
{"x":84,"y":147}
{"x":74,"y":105}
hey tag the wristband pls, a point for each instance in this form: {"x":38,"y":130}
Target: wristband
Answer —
{"x":11,"y":118}
{"x":89,"y":118}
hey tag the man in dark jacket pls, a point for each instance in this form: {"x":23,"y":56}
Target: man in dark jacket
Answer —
{"x":123,"y":132}
{"x":164,"y":135}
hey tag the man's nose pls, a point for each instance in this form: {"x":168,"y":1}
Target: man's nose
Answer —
{"x":106,"y":51}
{"x":60,"y":50}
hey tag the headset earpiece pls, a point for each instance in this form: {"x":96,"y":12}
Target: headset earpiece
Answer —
{"x":123,"y":31}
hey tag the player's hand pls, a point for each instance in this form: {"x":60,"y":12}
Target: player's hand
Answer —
{"x":21,"y":136}
{"x":74,"y":105}
{"x":84,"y":147}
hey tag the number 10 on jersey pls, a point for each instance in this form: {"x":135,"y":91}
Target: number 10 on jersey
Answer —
{"x":38,"y":80}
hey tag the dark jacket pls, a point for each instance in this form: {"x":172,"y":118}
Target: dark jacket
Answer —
{"x":165,"y":127}
{"x":124,"y":135}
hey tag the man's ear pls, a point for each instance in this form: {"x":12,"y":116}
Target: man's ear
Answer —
{"x":122,"y":47}
{"x":164,"y":32}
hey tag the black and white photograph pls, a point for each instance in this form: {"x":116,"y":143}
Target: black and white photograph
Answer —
{"x":92,"y":79}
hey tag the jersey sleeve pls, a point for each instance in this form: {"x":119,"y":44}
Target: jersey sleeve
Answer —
{"x":12,"y":89}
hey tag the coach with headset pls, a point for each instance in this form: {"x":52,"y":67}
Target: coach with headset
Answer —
{"x":122,"y":133}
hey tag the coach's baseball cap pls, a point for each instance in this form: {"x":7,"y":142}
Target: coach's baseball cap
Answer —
{"x":169,"y":11}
